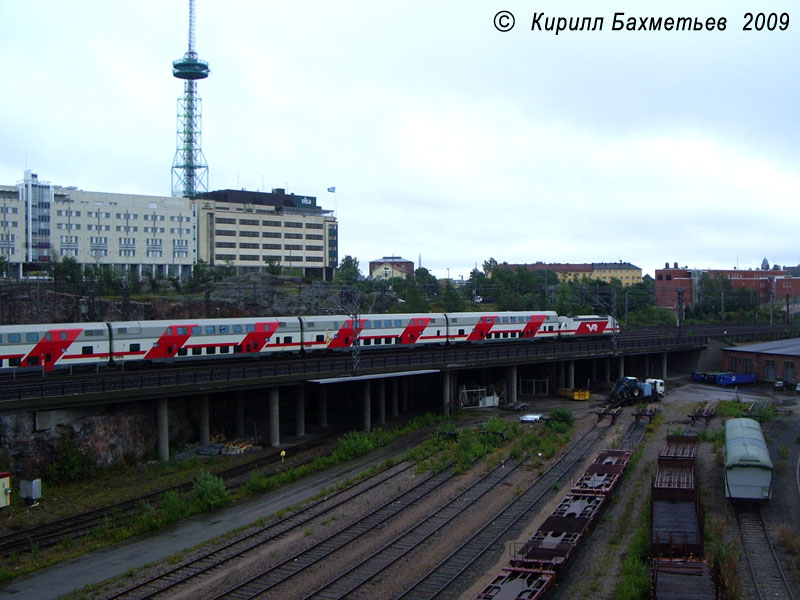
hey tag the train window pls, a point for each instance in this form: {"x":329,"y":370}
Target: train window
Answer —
{"x":1,"y":338}
{"x":224,"y":349}
{"x":85,"y":350}
{"x":33,"y":360}
{"x":197,"y":351}
{"x":211,"y":350}
{"x":237,"y":329}
{"x":122,"y":330}
{"x":31,"y":336}
{"x":249,"y":328}
{"x":14,"y":362}
{"x":14,"y":338}
{"x":196,"y":330}
{"x":183,"y":331}
{"x":210,"y":330}
{"x":63,"y":335}
{"x":513,"y":334}
{"x":278,"y":340}
{"x":169,"y":330}
{"x":287,"y":339}
{"x":93,"y":333}
{"x":1,"y":362}
{"x":505,"y":319}
{"x":368,"y":342}
{"x":182,"y":352}
{"x":398,"y":323}
{"x":281,"y":324}
{"x":388,"y":340}
{"x":320,"y":338}
{"x":135,"y":347}
{"x":336,"y":324}
{"x":238,"y":348}
{"x":505,"y":334}
{"x":47,"y":336}
{"x":224,"y":329}
{"x":367,"y":324}
{"x":461,"y":332}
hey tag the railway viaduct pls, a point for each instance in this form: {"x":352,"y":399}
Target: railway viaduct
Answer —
{"x":378,"y":385}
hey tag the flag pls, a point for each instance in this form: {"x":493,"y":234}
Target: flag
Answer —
{"x":332,"y":190}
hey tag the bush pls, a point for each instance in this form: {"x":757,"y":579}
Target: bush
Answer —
{"x":209,"y":492}
{"x":562,"y":415}
{"x":173,"y":508}
{"x":72,"y":463}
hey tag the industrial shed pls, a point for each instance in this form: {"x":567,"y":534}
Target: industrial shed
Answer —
{"x":770,"y":361}
{"x":748,"y":468}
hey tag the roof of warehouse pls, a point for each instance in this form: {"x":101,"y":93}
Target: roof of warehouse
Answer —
{"x":790,"y":347}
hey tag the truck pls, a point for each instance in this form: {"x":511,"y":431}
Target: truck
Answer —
{"x":629,"y":390}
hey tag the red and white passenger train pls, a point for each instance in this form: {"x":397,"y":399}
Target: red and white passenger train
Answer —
{"x":52,"y":346}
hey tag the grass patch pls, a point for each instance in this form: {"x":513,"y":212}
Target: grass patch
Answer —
{"x":634,"y":582}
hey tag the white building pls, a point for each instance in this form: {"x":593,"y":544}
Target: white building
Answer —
{"x":250,"y":230}
{"x":162,"y":235}
{"x":42,"y":224}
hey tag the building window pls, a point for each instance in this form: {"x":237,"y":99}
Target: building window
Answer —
{"x":248,"y":222}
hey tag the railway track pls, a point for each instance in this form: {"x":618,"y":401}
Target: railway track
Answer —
{"x":207,"y":562}
{"x":380,"y":517}
{"x":769,"y":580}
{"x":50,"y":534}
{"x":491,"y":536}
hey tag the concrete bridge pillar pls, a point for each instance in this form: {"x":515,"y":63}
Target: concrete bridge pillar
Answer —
{"x":366,"y":401}
{"x":664,"y":365}
{"x":561,"y":376}
{"x":393,"y":411}
{"x":274,"y":417}
{"x":299,"y":411}
{"x":571,"y":374}
{"x":162,"y":424}
{"x":322,"y":399}
{"x":621,"y":367}
{"x":511,"y":384}
{"x":446,"y":393}
{"x":240,"y":415}
{"x":404,"y":394}
{"x":381,"y":383}
{"x":205,"y":436}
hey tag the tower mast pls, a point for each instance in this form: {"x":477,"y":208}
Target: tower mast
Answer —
{"x":189,"y":168}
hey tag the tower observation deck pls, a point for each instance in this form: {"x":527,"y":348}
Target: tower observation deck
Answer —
{"x":189,"y":168}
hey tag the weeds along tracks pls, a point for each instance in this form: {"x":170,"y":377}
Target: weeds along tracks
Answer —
{"x":524,"y":507}
{"x":253,"y":541}
{"x":768,"y":576}
{"x":281,"y":573}
{"x":76,"y":526}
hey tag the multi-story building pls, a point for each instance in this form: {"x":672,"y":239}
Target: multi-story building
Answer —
{"x":154,"y":236}
{"x":625,"y":272}
{"x":389,"y":267}
{"x":767,"y":285}
{"x":43,"y":223}
{"x":251,"y":230}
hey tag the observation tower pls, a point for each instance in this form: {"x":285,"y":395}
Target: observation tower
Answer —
{"x":189,"y":168}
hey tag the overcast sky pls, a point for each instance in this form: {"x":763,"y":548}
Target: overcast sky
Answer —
{"x":444,"y":137}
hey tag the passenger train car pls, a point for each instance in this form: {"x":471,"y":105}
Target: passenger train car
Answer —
{"x":50,"y":346}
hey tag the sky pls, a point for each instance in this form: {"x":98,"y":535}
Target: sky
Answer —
{"x":447,"y":140}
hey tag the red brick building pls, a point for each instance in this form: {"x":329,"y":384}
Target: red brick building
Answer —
{"x":763,"y":282}
{"x":770,"y":361}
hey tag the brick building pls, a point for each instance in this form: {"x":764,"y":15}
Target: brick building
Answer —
{"x":766,"y":284}
{"x":770,"y":361}
{"x":389,"y":267}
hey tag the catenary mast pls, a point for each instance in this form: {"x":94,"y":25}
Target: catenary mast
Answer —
{"x":189,"y":168}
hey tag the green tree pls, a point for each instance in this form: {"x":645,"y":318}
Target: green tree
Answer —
{"x":348,"y":272}
{"x":452,"y":301}
{"x":67,"y":273}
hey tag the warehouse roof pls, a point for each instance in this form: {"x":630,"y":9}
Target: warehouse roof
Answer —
{"x":790,"y":347}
